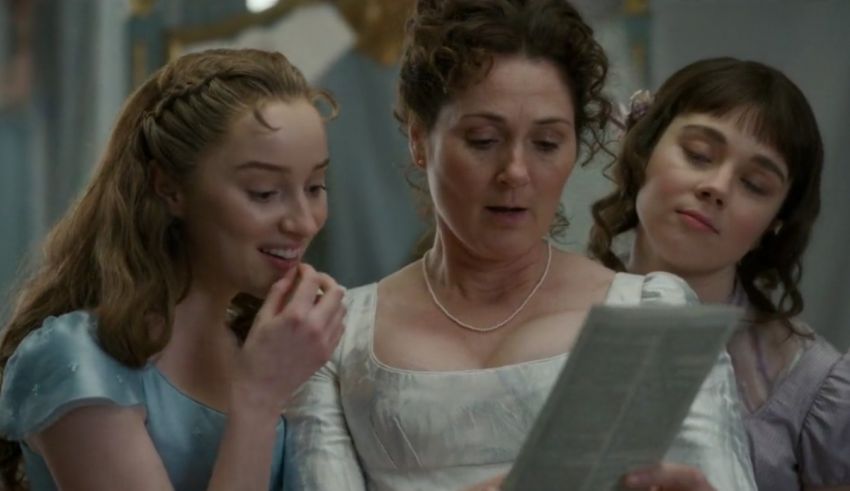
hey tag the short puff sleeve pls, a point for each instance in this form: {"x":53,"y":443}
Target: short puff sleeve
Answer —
{"x":712,"y":437}
{"x":59,"y":367}
{"x":825,"y":457}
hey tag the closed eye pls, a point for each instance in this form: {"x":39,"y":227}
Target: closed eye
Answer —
{"x":546,"y":146}
{"x":261,"y":196}
{"x":317,"y":189}
{"x":481,"y":143}
{"x":752,"y":186}
{"x":696,"y":157}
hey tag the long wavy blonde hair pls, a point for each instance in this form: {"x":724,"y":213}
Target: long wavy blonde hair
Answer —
{"x":118,"y":252}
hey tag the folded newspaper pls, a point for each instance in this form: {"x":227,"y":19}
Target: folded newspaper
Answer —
{"x":622,"y":395}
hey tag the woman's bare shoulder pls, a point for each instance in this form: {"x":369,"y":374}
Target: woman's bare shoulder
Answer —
{"x":574,"y":264}
{"x":404,"y":284}
{"x":575,"y":271}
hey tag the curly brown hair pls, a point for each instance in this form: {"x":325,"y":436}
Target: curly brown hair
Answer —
{"x":118,"y":252}
{"x":781,"y":118}
{"x":450,"y":45}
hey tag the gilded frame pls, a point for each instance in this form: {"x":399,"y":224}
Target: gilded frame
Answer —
{"x":153,"y":43}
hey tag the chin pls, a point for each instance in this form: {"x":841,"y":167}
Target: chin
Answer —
{"x":693,"y":266}
{"x":260,"y":287}
{"x":258,"y":292}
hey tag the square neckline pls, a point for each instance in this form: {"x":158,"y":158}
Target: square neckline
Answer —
{"x":372,"y":291}
{"x":191,"y":399}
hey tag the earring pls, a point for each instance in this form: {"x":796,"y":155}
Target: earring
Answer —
{"x":777,"y":228}
{"x":420,"y":163}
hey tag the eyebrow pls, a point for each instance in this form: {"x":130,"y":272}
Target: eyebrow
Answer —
{"x":499,"y":119}
{"x":258,"y":165}
{"x":718,"y":137}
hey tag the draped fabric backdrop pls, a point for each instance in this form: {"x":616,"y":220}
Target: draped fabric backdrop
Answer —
{"x":49,"y":144}
{"x":372,"y":224}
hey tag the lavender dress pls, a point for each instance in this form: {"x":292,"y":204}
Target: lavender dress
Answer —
{"x":796,"y":412}
{"x":800,"y":433}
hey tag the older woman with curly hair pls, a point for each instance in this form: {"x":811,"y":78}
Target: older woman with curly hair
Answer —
{"x":447,"y":362}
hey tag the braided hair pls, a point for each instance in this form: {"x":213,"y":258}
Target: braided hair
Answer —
{"x":118,"y":252}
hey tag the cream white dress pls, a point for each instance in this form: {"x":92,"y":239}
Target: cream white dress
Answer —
{"x":361,"y":425}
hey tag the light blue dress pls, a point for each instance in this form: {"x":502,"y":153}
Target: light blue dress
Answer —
{"x":360,"y":425}
{"x":60,"y":366}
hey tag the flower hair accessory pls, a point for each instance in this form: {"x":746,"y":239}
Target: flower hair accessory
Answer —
{"x":639,"y":104}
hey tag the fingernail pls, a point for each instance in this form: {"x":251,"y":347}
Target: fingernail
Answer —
{"x":636,"y":479}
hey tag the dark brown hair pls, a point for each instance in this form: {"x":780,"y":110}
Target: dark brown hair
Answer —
{"x":118,"y":252}
{"x":450,"y":45}
{"x":777,"y":113}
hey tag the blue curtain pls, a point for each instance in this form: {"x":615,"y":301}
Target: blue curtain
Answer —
{"x":373,"y":224}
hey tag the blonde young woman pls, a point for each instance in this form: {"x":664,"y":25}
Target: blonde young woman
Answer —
{"x":139,"y":354}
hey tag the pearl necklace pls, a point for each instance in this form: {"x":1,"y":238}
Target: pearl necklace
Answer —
{"x":500,"y":324}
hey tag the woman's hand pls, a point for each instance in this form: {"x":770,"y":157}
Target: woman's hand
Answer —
{"x":490,"y":485}
{"x":293,"y":335}
{"x":661,"y":477}
{"x":667,"y":477}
